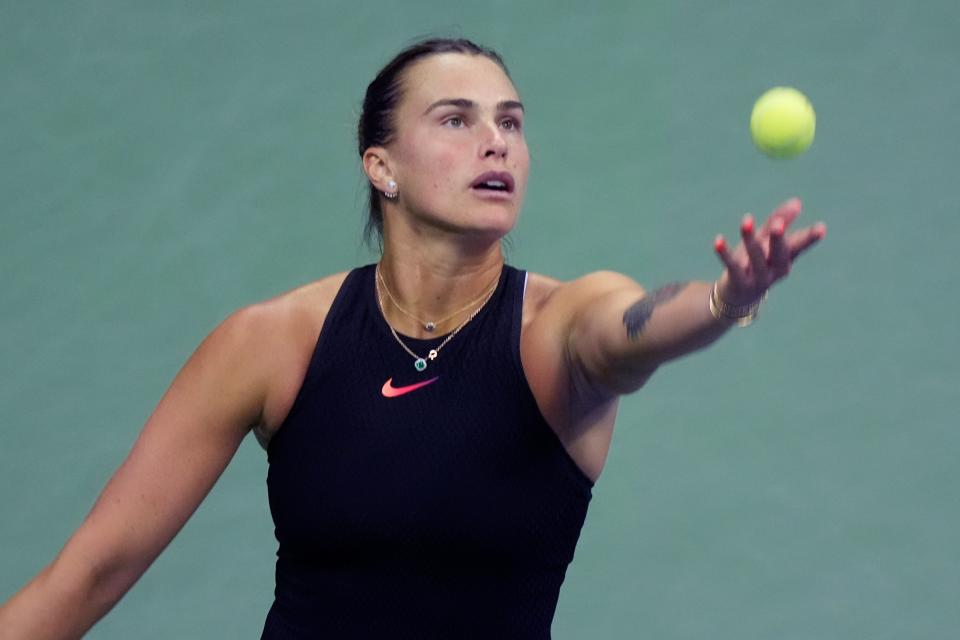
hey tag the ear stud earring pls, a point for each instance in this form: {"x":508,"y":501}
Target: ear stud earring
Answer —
{"x":391,"y":191}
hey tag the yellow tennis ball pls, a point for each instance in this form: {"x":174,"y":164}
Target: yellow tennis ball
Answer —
{"x":782,"y":122}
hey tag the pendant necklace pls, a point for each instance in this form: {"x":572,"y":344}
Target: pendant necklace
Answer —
{"x":419,"y":362}
{"x":431,"y":325}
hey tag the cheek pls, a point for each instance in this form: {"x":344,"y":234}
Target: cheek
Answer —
{"x":520,"y":154}
{"x":425,"y":161}
{"x":441,"y":169}
{"x":521,"y":163}
{"x":444,"y":161}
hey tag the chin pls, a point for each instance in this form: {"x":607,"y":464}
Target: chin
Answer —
{"x":493,"y":226}
{"x":487,"y":221}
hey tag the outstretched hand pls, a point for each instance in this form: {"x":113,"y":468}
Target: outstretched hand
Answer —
{"x":763,"y":256}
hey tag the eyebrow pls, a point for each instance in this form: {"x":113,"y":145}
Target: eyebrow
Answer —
{"x":463,"y":103}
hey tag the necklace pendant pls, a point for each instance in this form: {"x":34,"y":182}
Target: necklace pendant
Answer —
{"x":433,"y":354}
{"x":430,"y":326}
{"x":419,"y":364}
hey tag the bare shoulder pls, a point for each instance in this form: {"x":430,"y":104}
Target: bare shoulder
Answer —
{"x":550,"y":308}
{"x":559,"y":299}
{"x":300,"y":302}
{"x":583,"y":423}
{"x":287,"y":327}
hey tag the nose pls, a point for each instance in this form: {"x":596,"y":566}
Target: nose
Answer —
{"x":493,"y":143}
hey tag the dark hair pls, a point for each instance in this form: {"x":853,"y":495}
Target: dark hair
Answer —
{"x":376,"y":126}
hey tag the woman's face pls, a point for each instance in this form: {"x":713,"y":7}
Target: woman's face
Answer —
{"x":459,"y":155}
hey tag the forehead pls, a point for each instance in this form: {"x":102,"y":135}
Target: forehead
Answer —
{"x":455,"y":75}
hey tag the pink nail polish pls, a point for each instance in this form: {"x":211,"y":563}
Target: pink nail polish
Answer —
{"x":719,"y":245}
{"x":747,"y":226}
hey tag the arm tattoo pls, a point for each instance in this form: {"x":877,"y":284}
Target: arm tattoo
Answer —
{"x":636,"y":316}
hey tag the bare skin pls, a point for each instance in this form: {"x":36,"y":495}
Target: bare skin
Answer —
{"x":584,"y":343}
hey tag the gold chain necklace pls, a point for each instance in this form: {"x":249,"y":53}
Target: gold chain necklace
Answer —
{"x":419,"y":362}
{"x":428,"y":325}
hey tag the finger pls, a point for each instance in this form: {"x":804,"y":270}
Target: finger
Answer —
{"x":758,"y":260}
{"x":803,"y":240}
{"x":787,"y":212}
{"x":735,"y":270}
{"x":779,"y":253}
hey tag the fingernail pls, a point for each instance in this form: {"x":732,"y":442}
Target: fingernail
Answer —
{"x":747,"y":225}
{"x":820,"y":229}
{"x":719,"y":244}
{"x":777,"y":228}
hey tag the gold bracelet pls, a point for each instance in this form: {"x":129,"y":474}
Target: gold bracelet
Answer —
{"x":742,"y":315}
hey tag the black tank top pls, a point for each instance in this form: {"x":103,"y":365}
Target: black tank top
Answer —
{"x":407,"y":504}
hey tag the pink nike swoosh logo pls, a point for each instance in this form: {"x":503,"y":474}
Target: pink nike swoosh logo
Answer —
{"x":390,"y":391}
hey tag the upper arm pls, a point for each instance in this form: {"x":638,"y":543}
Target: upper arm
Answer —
{"x":597,"y":334}
{"x":585,"y":316}
{"x":186,"y":443}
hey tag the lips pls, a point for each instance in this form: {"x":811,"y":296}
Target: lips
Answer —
{"x":495,"y":181}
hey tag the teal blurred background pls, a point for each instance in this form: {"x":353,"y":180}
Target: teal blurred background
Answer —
{"x":167,"y":163}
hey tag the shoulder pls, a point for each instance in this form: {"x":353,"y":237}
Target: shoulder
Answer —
{"x":582,"y":419}
{"x":277,"y":336}
{"x":550,"y":314}
{"x":301,"y":304}
{"x":554,"y":301}
{"x":277,"y":319}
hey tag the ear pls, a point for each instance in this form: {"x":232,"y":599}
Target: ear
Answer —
{"x":376,"y":164}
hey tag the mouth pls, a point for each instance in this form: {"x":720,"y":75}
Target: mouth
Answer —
{"x":494,"y":182}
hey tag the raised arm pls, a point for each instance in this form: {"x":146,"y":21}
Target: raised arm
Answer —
{"x":185,"y":445}
{"x":619,"y":337}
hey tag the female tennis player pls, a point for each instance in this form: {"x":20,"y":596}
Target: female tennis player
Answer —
{"x":435,"y":422}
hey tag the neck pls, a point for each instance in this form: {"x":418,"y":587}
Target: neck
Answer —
{"x":431,"y":280}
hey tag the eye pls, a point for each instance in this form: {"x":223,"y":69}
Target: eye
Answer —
{"x":454,"y":121}
{"x":510,"y":124}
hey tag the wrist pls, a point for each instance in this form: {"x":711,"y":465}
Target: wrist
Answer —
{"x":741,"y":313}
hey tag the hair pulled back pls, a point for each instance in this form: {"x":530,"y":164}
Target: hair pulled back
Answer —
{"x":376,"y":125}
